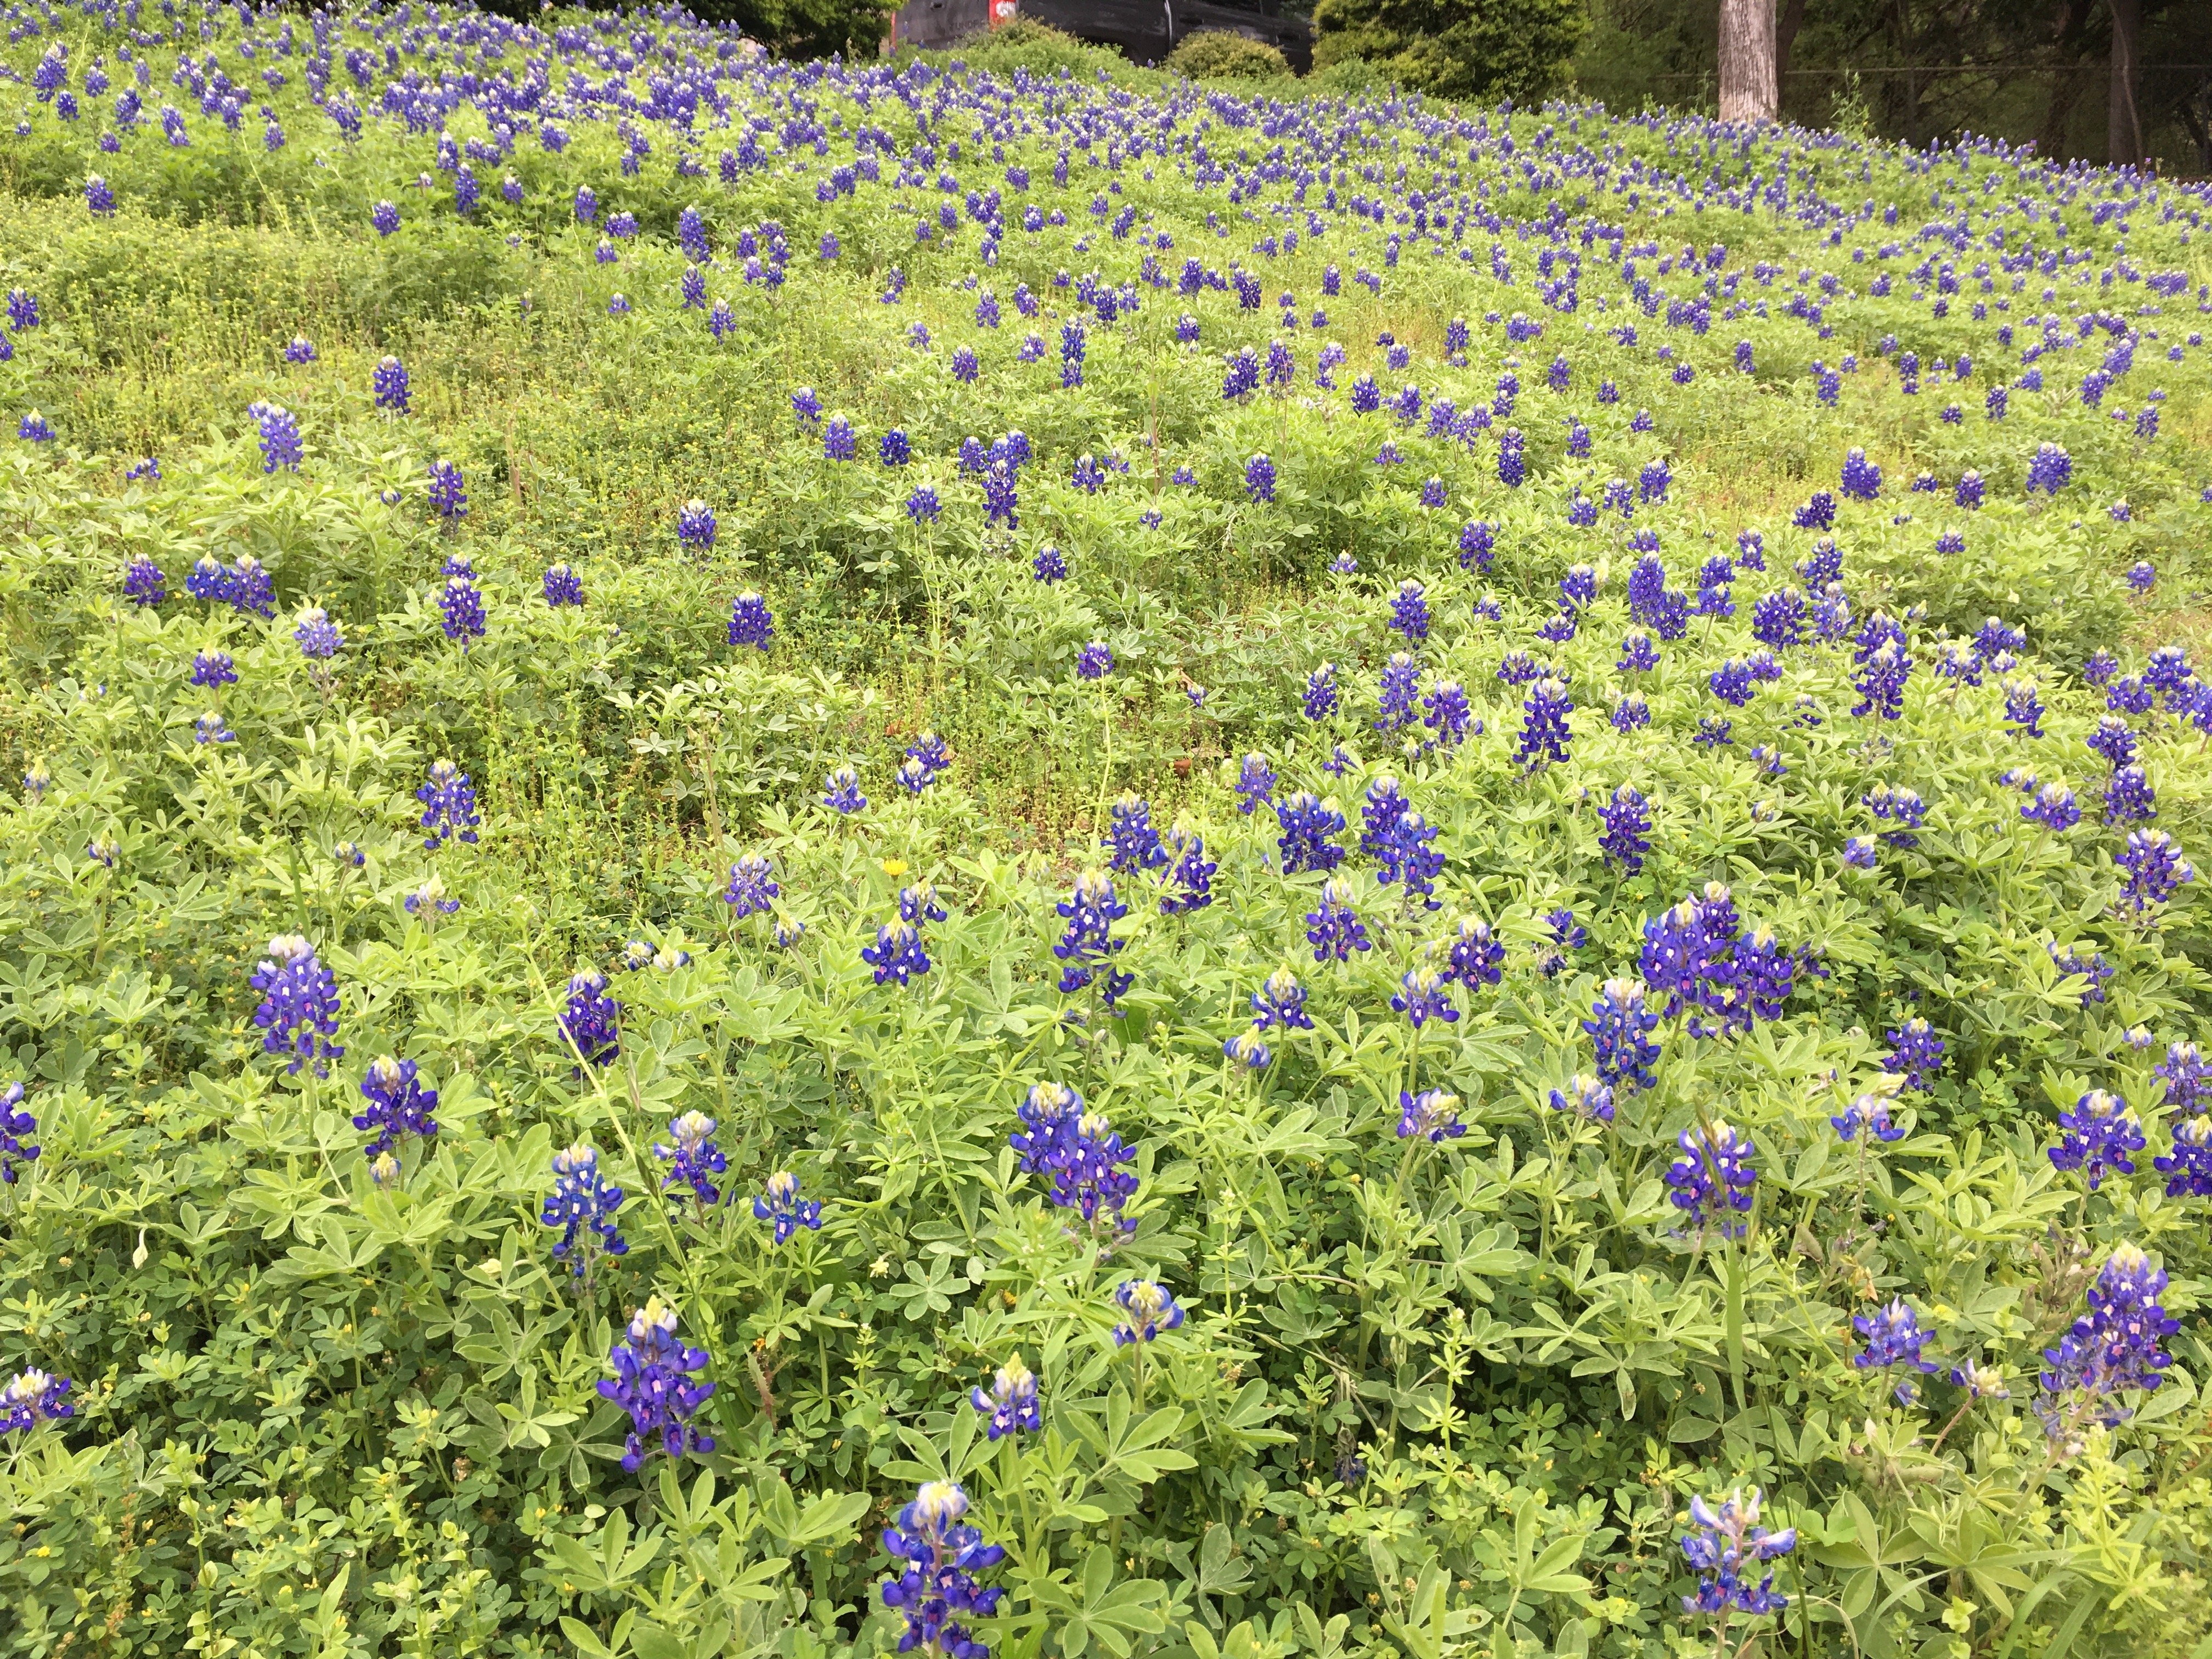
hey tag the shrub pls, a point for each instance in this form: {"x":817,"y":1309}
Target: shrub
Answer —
{"x":1467,"y":49}
{"x":1219,"y":55}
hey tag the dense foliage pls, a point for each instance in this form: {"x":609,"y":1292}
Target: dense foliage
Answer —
{"x":1217,"y":55}
{"x":1485,"y":49}
{"x":815,"y":856}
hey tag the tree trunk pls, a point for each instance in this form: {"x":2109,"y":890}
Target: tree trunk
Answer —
{"x":1747,"y":81}
{"x":2124,"y":126}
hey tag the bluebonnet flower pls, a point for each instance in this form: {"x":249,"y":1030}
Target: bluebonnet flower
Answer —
{"x":1133,"y":844}
{"x":299,"y":1010}
{"x":1087,"y":946}
{"x":1449,"y":714}
{"x":1620,"y":1025}
{"x":1778,"y":619}
{"x":1011,"y":1403}
{"x":317,"y":637}
{"x":2156,"y":870}
{"x":446,"y":491}
{"x":1320,"y":699}
{"x":1072,"y":340}
{"x":2114,"y":1347}
{"x":2189,"y":1168}
{"x":693,"y":1158}
{"x":1404,"y":853}
{"x":2187,"y":1076}
{"x":36,"y":781}
{"x":144,"y":584}
{"x":590,"y":1019}
{"x":897,"y":952}
{"x":923,"y":507}
{"x":1246,"y":1049}
{"x":390,"y":386}
{"x":1880,"y":681}
{"x":449,"y":806}
{"x":1567,"y":935}
{"x":280,"y":437}
{"x":1478,"y":542}
{"x":2049,"y":469}
{"x":1397,"y":694}
{"x":1190,"y":880}
{"x":893,"y":448}
{"x":939,"y":1586}
{"x":1512,"y":464}
{"x":838,"y":443}
{"x":211,"y":728}
{"x":1095,"y":661}
{"x":695,"y":526}
{"x":15,"y":1151}
{"x":22,"y":310}
{"x":1306,"y":825}
{"x":1896,"y":804}
{"x":2141,"y":575}
{"x":1333,"y":926}
{"x":1627,"y":836}
{"x":562,"y":586}
{"x":2096,"y":1136}
{"x":1862,"y":478}
{"x":213,"y":669}
{"x":1422,"y":995}
{"x":1637,"y":654}
{"x":462,"y":608}
{"x":1260,"y":479}
{"x":2053,"y":807}
{"x":1916,"y":1053}
{"x":2129,"y":798}
{"x":1726,"y":1549}
{"x":385,"y":216}
{"x":1544,"y":735}
{"x":1432,"y":1115}
{"x":1379,"y":813}
{"x":841,"y":792}
{"x":1713,"y":1177}
{"x":653,"y":1382}
{"x":1586,"y":1097}
{"x":781,"y":1205}
{"x":398,"y":1104}
{"x":34,"y":429}
{"x":1151,"y":1308}
{"x":750,"y":621}
{"x":32,"y":1397}
{"x":1475,"y":955}
{"x":1256,"y":783}
{"x":753,"y":890}
{"x":2093,"y":968}
{"x":2023,"y":707}
{"x":1281,"y":1001}
{"x":1818,"y":512}
{"x":1409,"y":611}
{"x":1868,"y":1114}
{"x":1894,"y":1338}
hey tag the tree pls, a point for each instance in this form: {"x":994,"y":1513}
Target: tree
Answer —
{"x":2123,"y":136}
{"x":1748,"y":88}
{"x":1467,"y":49}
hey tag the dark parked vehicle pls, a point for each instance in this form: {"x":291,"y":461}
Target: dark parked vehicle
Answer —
{"x":1148,"y":30}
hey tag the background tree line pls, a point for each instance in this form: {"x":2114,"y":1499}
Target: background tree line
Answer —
{"x":2093,"y":80}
